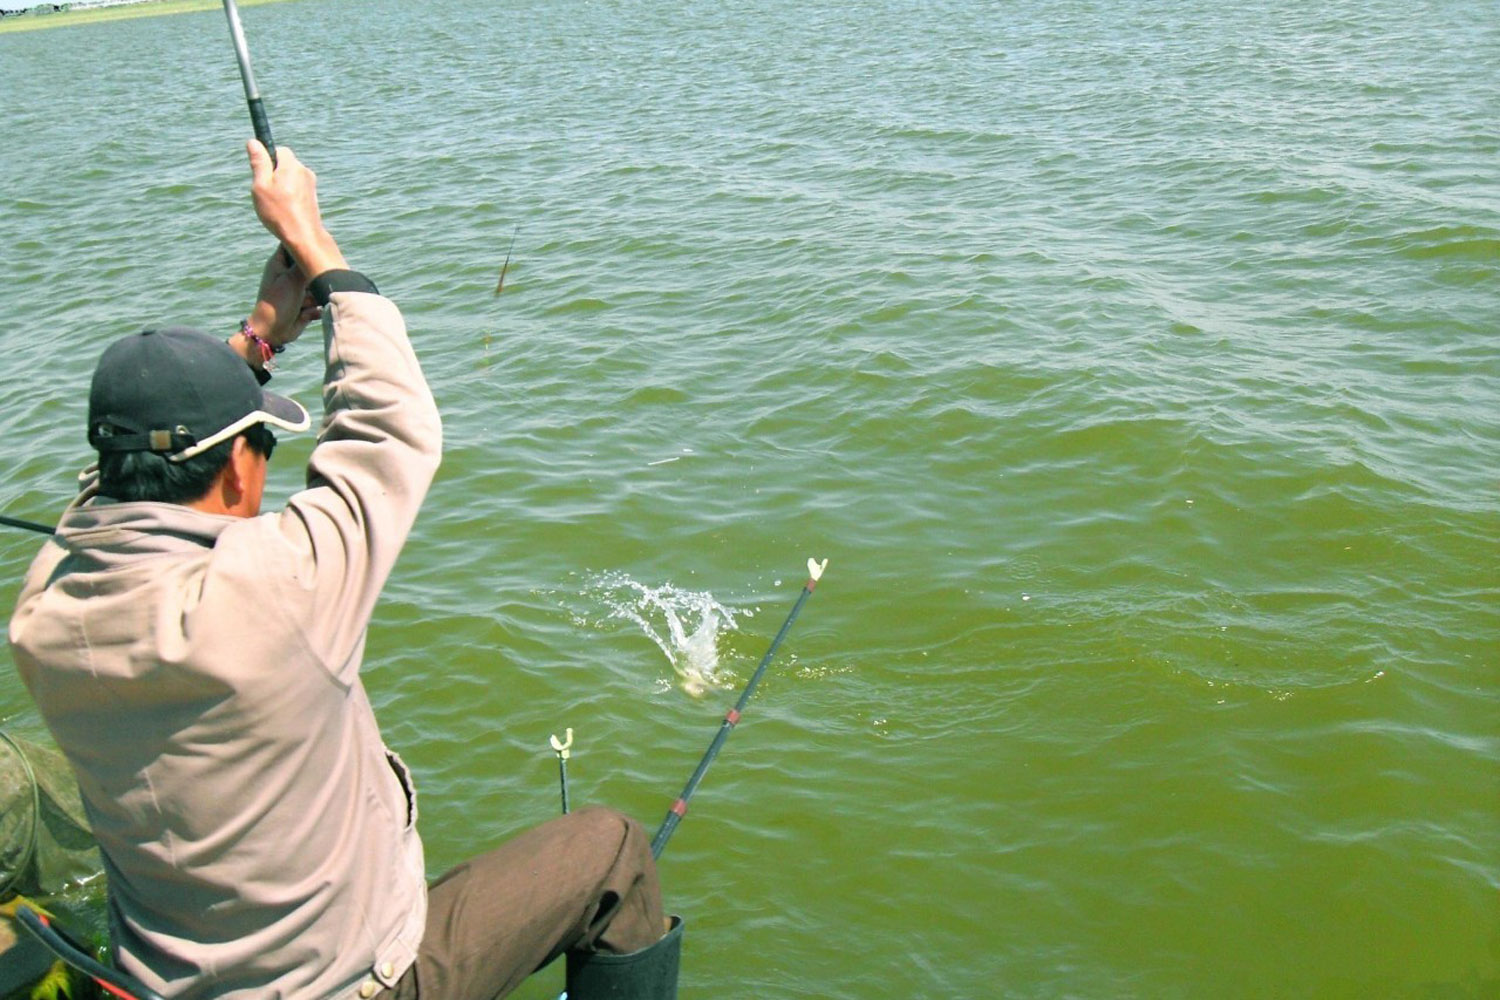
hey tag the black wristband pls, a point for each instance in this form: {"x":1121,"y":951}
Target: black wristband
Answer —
{"x":325,"y":284}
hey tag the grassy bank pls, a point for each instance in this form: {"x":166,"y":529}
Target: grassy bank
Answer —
{"x":89,"y":15}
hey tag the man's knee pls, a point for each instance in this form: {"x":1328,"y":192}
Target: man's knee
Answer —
{"x":603,"y":825}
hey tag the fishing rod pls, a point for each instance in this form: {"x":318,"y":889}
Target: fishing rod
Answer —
{"x":112,"y":981}
{"x":258,"y":119}
{"x":679,"y":808}
{"x":563,"y":749}
{"x":262,"y":126}
{"x":16,"y":522}
{"x":500,"y":287}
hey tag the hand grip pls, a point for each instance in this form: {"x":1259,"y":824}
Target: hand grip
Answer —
{"x":262,"y":126}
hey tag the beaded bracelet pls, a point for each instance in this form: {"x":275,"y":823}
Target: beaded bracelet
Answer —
{"x":267,"y":350}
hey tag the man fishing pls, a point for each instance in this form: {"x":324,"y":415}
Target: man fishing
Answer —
{"x":198,"y":663}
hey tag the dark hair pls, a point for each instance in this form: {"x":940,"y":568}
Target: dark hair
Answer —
{"x":260,"y":439}
{"x":131,"y":476}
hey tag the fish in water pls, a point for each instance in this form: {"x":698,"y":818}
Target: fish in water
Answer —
{"x":685,"y":625}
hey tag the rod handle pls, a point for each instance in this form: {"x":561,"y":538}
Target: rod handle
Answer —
{"x":262,"y":126}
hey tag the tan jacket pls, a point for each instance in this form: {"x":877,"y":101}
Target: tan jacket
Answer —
{"x":201,"y":673}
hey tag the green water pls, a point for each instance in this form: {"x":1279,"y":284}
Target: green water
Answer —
{"x":1132,"y":362}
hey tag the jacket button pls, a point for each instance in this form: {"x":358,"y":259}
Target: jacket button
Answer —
{"x":368,"y":989}
{"x":387,"y":970}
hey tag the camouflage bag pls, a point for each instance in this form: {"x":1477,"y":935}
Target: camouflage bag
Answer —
{"x":45,"y":843}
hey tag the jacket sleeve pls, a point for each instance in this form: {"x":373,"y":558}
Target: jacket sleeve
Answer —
{"x":377,"y":451}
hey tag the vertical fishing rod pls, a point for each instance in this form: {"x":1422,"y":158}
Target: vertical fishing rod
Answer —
{"x":262,"y":126}
{"x":679,"y":808}
{"x":563,"y":749}
{"x":258,"y":119}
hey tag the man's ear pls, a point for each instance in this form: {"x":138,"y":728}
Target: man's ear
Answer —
{"x":233,"y":477}
{"x":228,"y":492}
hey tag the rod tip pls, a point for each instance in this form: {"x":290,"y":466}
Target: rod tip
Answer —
{"x":815,"y":569}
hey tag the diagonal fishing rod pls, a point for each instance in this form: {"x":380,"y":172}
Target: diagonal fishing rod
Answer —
{"x":16,"y":522}
{"x":501,"y":286}
{"x":679,"y":808}
{"x":258,"y":119}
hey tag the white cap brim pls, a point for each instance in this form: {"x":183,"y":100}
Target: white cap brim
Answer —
{"x":276,"y":410}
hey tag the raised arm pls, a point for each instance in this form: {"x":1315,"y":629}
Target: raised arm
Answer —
{"x":380,"y":440}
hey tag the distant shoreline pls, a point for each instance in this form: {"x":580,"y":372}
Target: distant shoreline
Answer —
{"x":28,"y":21}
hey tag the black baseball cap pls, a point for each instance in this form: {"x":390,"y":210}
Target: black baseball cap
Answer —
{"x":179,"y":392}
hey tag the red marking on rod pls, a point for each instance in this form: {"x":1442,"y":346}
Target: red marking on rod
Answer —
{"x":811,"y":584}
{"x":112,"y":989}
{"x":731,"y":716}
{"x":680,"y":808}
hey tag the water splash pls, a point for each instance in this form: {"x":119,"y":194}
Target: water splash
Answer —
{"x":686,"y":625}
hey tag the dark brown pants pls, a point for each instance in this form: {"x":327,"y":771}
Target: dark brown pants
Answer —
{"x":585,"y":881}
